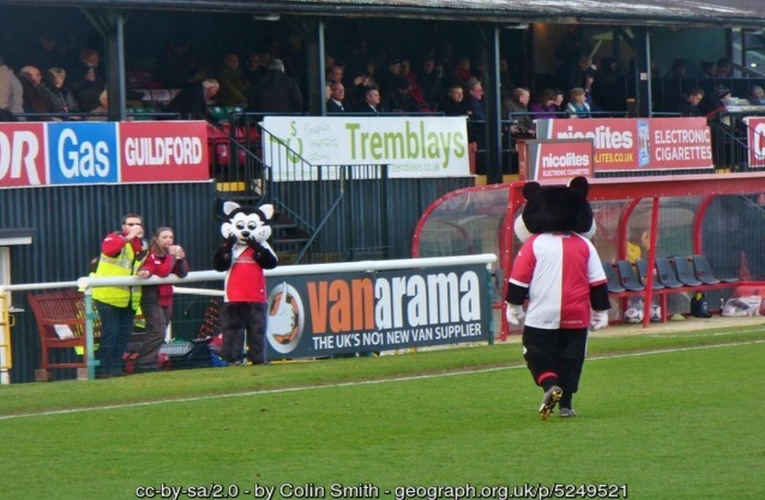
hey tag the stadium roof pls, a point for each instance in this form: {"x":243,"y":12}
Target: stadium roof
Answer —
{"x":730,"y":13}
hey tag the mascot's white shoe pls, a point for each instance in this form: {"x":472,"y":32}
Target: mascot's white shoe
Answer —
{"x":551,"y":398}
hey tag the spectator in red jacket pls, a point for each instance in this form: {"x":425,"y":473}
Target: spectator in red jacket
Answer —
{"x":164,"y":258}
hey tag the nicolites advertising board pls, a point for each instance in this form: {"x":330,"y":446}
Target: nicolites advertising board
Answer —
{"x":557,"y":160}
{"x":637,"y":143}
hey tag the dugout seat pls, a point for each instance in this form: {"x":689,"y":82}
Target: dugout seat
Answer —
{"x":628,"y":276}
{"x":704,"y":273}
{"x":685,"y":274}
{"x":642,"y":269}
{"x":614,"y":285}
{"x":666,"y":273}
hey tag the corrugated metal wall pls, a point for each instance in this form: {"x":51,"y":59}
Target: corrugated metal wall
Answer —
{"x":70,"y":223}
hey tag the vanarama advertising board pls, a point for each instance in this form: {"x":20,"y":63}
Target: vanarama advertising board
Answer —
{"x":326,"y":314}
{"x":412,"y":146}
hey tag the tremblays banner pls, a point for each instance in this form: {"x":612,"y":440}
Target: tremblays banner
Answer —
{"x":326,"y":314}
{"x":560,"y":159}
{"x":412,"y":146}
{"x":755,"y":132}
{"x":623,"y":144}
{"x":68,"y":153}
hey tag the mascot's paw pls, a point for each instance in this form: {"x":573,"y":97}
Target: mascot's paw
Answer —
{"x":514,"y":314}
{"x":598,"y":320}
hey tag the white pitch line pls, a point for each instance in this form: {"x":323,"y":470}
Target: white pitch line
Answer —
{"x":359,"y":383}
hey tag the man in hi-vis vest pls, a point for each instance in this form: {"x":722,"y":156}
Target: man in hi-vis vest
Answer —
{"x":122,"y":252}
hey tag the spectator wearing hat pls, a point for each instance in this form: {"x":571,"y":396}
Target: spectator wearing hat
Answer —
{"x":721,"y":99}
{"x":276,"y":92}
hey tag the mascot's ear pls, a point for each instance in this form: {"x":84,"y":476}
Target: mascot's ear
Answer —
{"x":580,"y":185}
{"x":229,"y":207}
{"x":531,"y":190}
{"x":587,"y":225}
{"x":267,"y":210}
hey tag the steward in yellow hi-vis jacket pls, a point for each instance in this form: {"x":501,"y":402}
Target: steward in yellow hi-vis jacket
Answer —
{"x":122,"y":253}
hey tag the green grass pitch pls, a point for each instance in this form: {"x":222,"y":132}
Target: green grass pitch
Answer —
{"x":670,"y":416}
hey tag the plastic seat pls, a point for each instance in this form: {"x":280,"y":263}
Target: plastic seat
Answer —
{"x":628,"y":276}
{"x":684,"y":270}
{"x":703,"y":271}
{"x":666,"y":273}
{"x":642,"y":269}
{"x":614,"y":286}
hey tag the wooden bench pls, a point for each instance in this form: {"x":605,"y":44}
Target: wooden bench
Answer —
{"x":60,"y":318}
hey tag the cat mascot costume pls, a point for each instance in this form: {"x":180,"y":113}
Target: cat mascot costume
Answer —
{"x":243,"y":256}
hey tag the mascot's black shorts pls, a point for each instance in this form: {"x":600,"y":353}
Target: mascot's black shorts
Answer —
{"x":238,"y":318}
{"x":559,"y":351}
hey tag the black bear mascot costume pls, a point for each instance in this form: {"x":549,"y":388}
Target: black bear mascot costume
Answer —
{"x":559,"y":271}
{"x":244,"y":255}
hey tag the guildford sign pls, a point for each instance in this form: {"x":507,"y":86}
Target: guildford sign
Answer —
{"x":69,"y":153}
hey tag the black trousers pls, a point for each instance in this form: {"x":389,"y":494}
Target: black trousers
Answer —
{"x":558,"y":351}
{"x":238,"y":318}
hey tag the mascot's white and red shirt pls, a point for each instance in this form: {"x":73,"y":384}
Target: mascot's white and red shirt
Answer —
{"x":558,"y":269}
{"x":245,"y":281}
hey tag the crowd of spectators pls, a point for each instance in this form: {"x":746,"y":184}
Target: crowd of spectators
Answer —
{"x":63,"y":81}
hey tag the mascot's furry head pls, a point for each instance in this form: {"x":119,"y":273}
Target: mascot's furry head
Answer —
{"x":247,"y":224}
{"x":556,"y":209}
